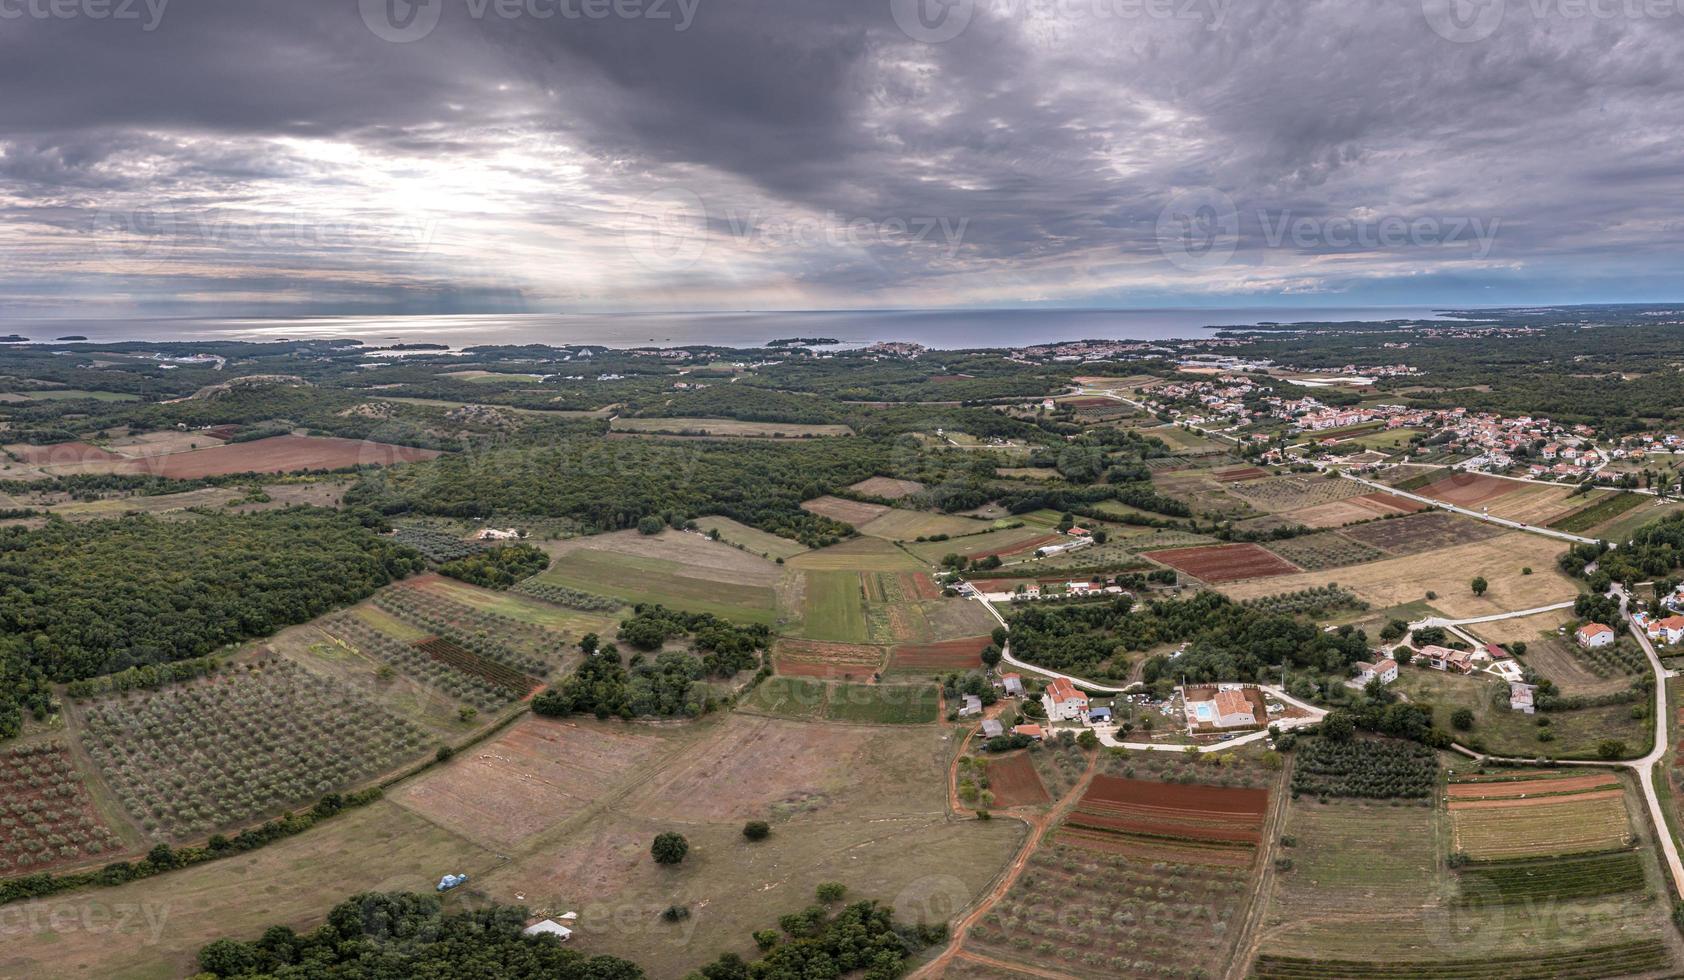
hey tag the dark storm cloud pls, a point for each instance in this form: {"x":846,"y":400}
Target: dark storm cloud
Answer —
{"x":1050,"y":144}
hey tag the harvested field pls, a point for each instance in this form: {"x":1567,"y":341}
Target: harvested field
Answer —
{"x":887,"y":488}
{"x":1364,"y":507}
{"x":538,"y":772}
{"x":862,"y":554}
{"x":1469,"y":489}
{"x":1224,"y":562}
{"x":1500,"y":789}
{"x":964,"y":654}
{"x":162,"y":443}
{"x":1538,"y":504}
{"x":278,"y":454}
{"x":727,"y":428}
{"x":869,"y":704}
{"x":1399,"y":581}
{"x":827,"y":661}
{"x":1243,"y":473}
{"x":1423,"y":532}
{"x":846,"y":511}
{"x":1013,"y":782}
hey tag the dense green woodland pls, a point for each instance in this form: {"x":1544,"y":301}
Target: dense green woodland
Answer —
{"x":405,"y":935}
{"x":77,"y":600}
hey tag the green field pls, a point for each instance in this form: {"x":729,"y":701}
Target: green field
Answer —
{"x":871,"y":704}
{"x":637,"y":579}
{"x":833,"y":608}
{"x":905,"y":525}
{"x":1504,"y":732}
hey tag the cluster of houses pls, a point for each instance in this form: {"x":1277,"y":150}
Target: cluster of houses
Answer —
{"x":1661,"y":629}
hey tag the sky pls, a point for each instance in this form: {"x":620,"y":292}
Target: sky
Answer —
{"x":289,"y":157}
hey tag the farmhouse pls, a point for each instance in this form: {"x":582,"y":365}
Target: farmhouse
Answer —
{"x":972,"y":706}
{"x":1030,"y":731}
{"x":1444,"y":658}
{"x":1593,"y":635}
{"x":1063,"y":702}
{"x":1385,"y":671}
{"x":1211,"y":709}
{"x":1013,"y":683}
{"x":992,"y":728}
{"x":1668,"y":630}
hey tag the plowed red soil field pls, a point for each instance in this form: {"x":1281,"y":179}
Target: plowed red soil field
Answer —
{"x":1225,"y":562}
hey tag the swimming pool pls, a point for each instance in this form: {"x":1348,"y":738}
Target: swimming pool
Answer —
{"x":1203,"y":712}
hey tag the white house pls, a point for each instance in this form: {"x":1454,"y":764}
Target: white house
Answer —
{"x":1593,"y":635}
{"x":1668,"y":630}
{"x":1225,"y":709}
{"x":1385,"y":670}
{"x":1063,"y":702}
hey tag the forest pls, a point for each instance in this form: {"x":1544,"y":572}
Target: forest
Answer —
{"x":78,"y":600}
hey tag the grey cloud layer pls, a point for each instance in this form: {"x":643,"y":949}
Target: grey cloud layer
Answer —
{"x":250,"y":156}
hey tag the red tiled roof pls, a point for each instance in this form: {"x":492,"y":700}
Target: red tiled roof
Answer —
{"x":1063,"y":690}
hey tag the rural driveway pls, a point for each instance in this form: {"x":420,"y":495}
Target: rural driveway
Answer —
{"x":1487,"y":518}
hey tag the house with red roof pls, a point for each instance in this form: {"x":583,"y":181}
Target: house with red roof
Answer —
{"x":1063,"y":701}
{"x":1593,"y":635}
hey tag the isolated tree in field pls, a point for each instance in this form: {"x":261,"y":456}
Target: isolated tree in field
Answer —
{"x":1462,"y":719}
{"x":831,"y":891}
{"x":757,"y":830}
{"x":589,"y":642}
{"x":669,"y":848}
{"x":1479,"y":585}
{"x":1611,"y":748}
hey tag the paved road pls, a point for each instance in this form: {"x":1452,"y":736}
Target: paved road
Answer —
{"x":1495,"y":617}
{"x":1503,"y":522}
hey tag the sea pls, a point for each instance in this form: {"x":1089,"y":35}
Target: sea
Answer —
{"x":938,"y":329}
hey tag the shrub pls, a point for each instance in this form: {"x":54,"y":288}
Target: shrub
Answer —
{"x":757,"y":830}
{"x":669,"y":848}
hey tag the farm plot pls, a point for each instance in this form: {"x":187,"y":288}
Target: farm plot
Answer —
{"x":1204,"y":495}
{"x":847,"y":511}
{"x":1318,"y":552}
{"x":833,"y":607}
{"x":536,"y":773}
{"x":868,"y":554}
{"x":827,"y":661}
{"x":1224,"y":562}
{"x":947,"y":655}
{"x":62,"y":454}
{"x":1469,"y":489}
{"x":676,"y":569}
{"x":1243,"y":473}
{"x":513,"y":643}
{"x":1367,"y":768}
{"x":1296,"y":491}
{"x":1180,"y":814}
{"x":874,"y":704}
{"x":277,"y":454}
{"x":1445,"y":572}
{"x":160,"y":443}
{"x":751,"y":538}
{"x":356,"y":632}
{"x":896,"y":524}
{"x":1596,"y":512}
{"x":1013,"y":781}
{"x":887,"y":488}
{"x":1423,"y":532}
{"x":190,"y":758}
{"x":1538,"y":504}
{"x":1554,"y":824}
{"x":1622,"y":959}
{"x":1351,"y":510}
{"x":48,"y":814}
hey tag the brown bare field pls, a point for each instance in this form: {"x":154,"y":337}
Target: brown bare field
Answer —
{"x":1469,"y":489}
{"x":826,"y":660}
{"x":963,"y":654}
{"x":1537,"y":504}
{"x":887,"y":487}
{"x":278,"y":454}
{"x":1518,"y":801}
{"x":1243,"y":473}
{"x":1396,"y":581}
{"x":846,"y":511}
{"x":1225,"y":562}
{"x":1423,"y":532}
{"x":1511,"y":789}
{"x":1013,"y":781}
{"x":1527,"y":629}
{"x":537,"y":772}
{"x":696,"y":552}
